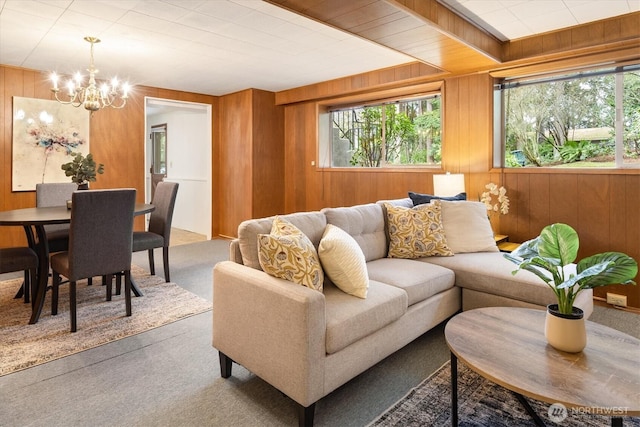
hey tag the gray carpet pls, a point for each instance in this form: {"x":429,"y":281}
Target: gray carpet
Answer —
{"x":480,"y":403}
{"x":169,"y":376}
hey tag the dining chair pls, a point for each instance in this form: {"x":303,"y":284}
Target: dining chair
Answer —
{"x":55,"y":194}
{"x":20,"y":259}
{"x":99,"y":244}
{"x":158,"y":233}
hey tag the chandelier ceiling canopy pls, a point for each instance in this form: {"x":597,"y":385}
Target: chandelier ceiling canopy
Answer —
{"x":92,"y":97}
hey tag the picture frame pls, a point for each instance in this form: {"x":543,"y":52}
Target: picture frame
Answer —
{"x":45,"y":133}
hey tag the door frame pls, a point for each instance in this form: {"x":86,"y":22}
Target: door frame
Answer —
{"x":186,"y":198}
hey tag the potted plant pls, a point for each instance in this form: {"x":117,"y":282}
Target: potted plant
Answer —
{"x":551,"y":256}
{"x":82,"y":169}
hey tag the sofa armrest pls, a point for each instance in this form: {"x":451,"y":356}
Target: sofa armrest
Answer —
{"x":272,"y":327}
{"x":234,"y":251}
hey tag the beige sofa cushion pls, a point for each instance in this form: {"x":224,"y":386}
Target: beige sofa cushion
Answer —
{"x":490,"y":272}
{"x":310,"y":223}
{"x":406,"y":202}
{"x":418,"y":279}
{"x":349,"y":318}
{"x":365,"y":223}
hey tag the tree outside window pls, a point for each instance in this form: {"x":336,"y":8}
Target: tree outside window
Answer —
{"x":405,"y":132}
{"x":570,"y":121}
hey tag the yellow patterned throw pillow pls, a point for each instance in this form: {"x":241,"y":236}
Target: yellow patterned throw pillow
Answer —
{"x":288,"y":254}
{"x":416,"y":232}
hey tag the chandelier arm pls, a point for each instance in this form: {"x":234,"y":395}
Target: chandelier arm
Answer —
{"x":72,"y":100}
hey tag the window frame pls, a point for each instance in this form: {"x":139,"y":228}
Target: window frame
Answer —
{"x":508,"y":82}
{"x":325,"y":107}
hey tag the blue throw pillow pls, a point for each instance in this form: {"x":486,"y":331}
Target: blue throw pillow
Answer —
{"x":420,"y":199}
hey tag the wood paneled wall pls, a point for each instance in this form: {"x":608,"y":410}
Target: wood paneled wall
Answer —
{"x":117,"y":139}
{"x":235,"y":149}
{"x":265,"y":157}
{"x":467,"y":118}
{"x":251,"y":151}
{"x":601,"y":205}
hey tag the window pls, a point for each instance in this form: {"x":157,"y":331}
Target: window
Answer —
{"x":395,"y":133}
{"x":585,"y":120}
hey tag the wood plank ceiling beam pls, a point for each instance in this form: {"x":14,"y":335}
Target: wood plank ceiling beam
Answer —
{"x":422,"y":29}
{"x":438,"y":37}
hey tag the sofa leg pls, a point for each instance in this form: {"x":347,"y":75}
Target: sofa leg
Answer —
{"x":305,"y":415}
{"x":225,"y":365}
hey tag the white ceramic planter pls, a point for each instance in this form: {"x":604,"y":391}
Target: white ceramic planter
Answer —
{"x":565,"y":332}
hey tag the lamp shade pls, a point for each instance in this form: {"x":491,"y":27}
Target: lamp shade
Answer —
{"x":449,"y":184}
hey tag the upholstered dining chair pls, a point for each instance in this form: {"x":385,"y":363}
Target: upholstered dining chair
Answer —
{"x":55,"y":194}
{"x":159,"y":231}
{"x":99,"y":243}
{"x":20,"y":259}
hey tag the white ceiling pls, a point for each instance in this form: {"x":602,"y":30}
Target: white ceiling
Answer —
{"x":221,"y":46}
{"x":513,"y":19}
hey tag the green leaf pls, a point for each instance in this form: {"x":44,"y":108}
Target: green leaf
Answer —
{"x":526,"y":250}
{"x":619,"y":269}
{"x":594,"y":270}
{"x":548,"y":256}
{"x":545,"y":269}
{"x":559,"y":241}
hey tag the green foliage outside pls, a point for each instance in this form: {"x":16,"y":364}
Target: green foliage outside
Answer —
{"x":401,"y":133}
{"x":561,"y":122}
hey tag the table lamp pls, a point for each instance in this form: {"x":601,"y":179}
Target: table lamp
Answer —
{"x":449,"y":184}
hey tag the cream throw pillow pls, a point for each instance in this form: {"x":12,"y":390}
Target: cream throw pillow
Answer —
{"x":416,"y":232}
{"x":288,"y":254}
{"x":467,"y":227}
{"x":343,"y":261}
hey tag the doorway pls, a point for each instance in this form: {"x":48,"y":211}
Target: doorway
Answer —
{"x":178,"y":149}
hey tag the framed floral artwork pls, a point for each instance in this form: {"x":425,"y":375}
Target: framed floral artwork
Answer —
{"x":45,"y":133}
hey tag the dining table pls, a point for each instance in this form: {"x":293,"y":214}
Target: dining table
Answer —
{"x":34,"y":219}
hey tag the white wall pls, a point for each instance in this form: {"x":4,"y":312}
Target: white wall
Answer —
{"x":188,"y":163}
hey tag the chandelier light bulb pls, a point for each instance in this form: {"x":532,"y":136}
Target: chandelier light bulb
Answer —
{"x":94,"y":96}
{"x":54,"y":79}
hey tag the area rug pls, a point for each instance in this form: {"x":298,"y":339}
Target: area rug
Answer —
{"x":481,"y":403}
{"x":99,"y":321}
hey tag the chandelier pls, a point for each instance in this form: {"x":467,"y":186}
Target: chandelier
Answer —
{"x":92,"y":97}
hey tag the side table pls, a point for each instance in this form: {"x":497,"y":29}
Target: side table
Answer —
{"x":502,"y":240}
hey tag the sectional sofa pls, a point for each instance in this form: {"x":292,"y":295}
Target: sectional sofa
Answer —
{"x":309,"y":338}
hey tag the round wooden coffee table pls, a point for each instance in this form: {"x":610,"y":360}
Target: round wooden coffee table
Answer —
{"x":507,"y":346}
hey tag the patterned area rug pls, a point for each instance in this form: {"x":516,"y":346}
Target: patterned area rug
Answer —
{"x":481,"y":403}
{"x":99,"y":321}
